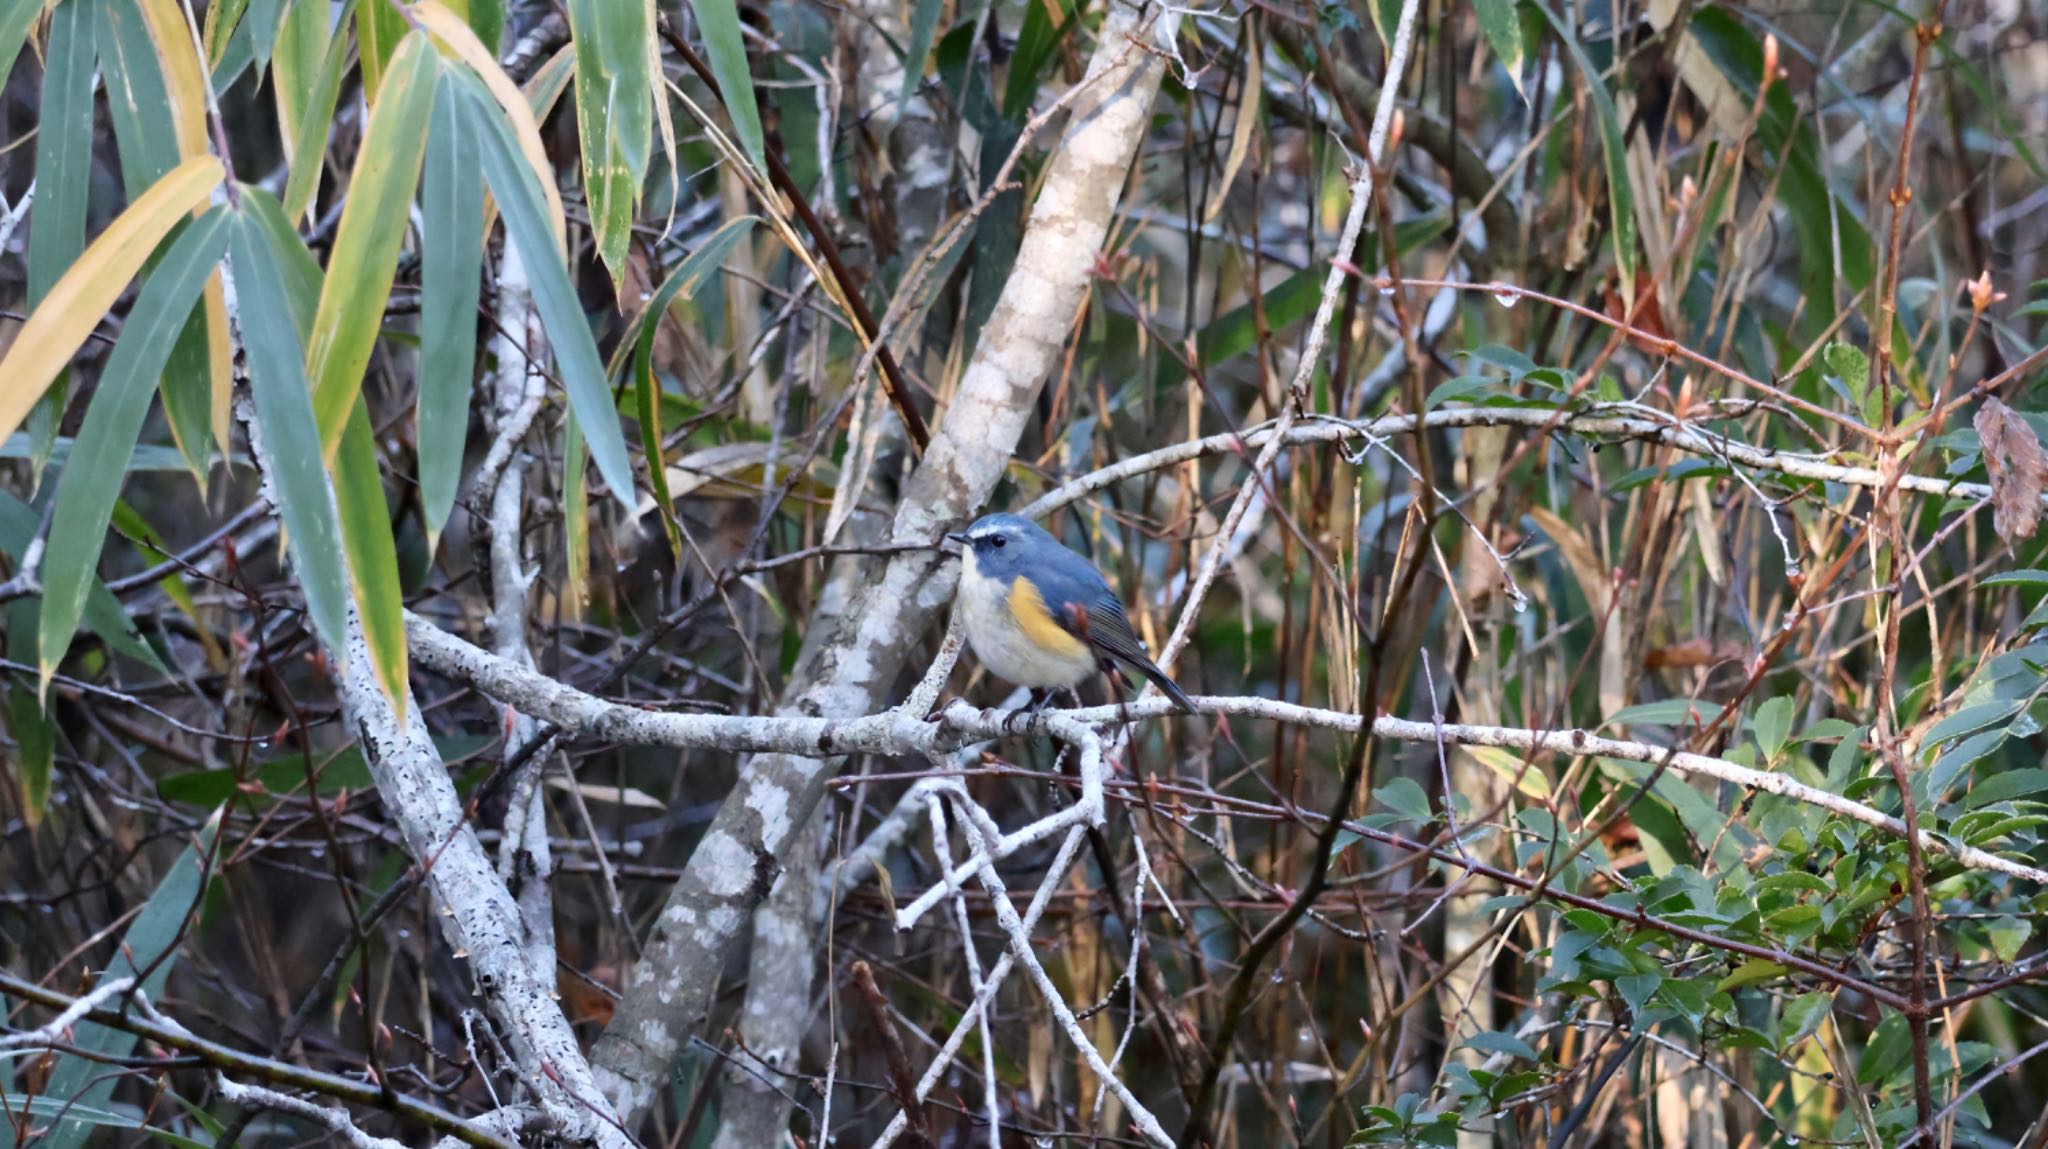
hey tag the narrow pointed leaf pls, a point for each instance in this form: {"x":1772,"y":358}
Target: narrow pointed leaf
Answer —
{"x":308,"y":149}
{"x":98,"y":461}
{"x":373,"y":223}
{"x":149,"y":950}
{"x":63,"y":180}
{"x":451,"y":260}
{"x":17,"y":17}
{"x":75,"y":305}
{"x":924,"y":21}
{"x":727,"y":53}
{"x":614,"y":115}
{"x":379,"y":28}
{"x":582,"y":372}
{"x":682,"y":282}
{"x":295,"y":67}
{"x":1614,"y":150}
{"x":1502,"y":24}
{"x":517,"y":110}
{"x":291,"y":436}
{"x":575,"y":518}
{"x":35,"y":748}
{"x":372,"y":556}
{"x":104,"y":615}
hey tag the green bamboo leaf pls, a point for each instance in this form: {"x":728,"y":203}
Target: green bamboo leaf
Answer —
{"x":614,"y":115}
{"x":1613,"y":149}
{"x":379,"y":28}
{"x":1036,"y":42}
{"x":140,"y":105}
{"x":35,"y":748}
{"x":520,"y":200}
{"x":221,"y":21}
{"x":451,"y":259}
{"x":924,"y":23}
{"x":681,"y":283}
{"x":727,"y":50}
{"x":307,"y":148}
{"x":284,"y":415}
{"x":1503,"y":29}
{"x":575,"y":517}
{"x":16,"y":18}
{"x":486,"y":18}
{"x":56,"y":234}
{"x":301,"y":272}
{"x":372,"y":556}
{"x":98,"y":461}
{"x":149,"y":949}
{"x":254,"y":38}
{"x":302,"y":42}
{"x":373,"y":224}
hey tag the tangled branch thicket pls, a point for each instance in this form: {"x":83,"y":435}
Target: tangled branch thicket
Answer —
{"x":478,"y":661}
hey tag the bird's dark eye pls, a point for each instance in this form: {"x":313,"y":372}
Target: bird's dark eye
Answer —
{"x":1000,"y":541}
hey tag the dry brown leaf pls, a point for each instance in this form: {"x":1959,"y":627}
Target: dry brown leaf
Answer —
{"x":2017,"y":466}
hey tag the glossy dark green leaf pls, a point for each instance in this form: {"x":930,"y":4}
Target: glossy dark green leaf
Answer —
{"x":98,"y":461}
{"x":924,"y":23}
{"x":291,"y":436}
{"x":1037,"y":40}
{"x":554,"y":297}
{"x":451,"y":259}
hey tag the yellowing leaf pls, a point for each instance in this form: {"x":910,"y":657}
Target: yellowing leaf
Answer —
{"x":74,"y":307}
{"x":373,"y":223}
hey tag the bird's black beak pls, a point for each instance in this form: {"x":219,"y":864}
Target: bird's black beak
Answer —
{"x":957,"y":537}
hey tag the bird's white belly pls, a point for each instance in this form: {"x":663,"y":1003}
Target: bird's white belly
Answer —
{"x":1001,"y":644}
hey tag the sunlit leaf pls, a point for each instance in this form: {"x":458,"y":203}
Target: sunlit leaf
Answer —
{"x":74,"y":306}
{"x":451,"y":259}
{"x":373,"y":224}
{"x":291,"y":436}
{"x":97,"y":465}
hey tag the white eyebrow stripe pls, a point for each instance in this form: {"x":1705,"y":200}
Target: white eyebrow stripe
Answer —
{"x":985,"y":533}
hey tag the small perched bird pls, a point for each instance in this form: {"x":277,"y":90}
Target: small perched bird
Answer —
{"x":1042,"y":616}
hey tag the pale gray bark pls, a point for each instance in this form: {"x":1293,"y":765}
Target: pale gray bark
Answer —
{"x":860,"y":642}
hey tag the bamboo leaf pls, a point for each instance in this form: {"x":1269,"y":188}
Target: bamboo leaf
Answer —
{"x":451,"y":261}
{"x":16,"y":18}
{"x":1503,"y":29}
{"x":458,"y":38}
{"x":295,"y":69}
{"x":575,"y":518}
{"x":924,"y":22}
{"x":372,"y":556}
{"x":98,"y":461}
{"x":379,"y":29}
{"x":63,"y":183}
{"x":148,"y":950}
{"x":373,"y":223}
{"x":74,"y":306}
{"x":309,"y":140}
{"x":284,"y":416}
{"x":526,"y":224}
{"x":1613,"y":149}
{"x":35,"y":748}
{"x":727,"y":53}
{"x":614,"y":115}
